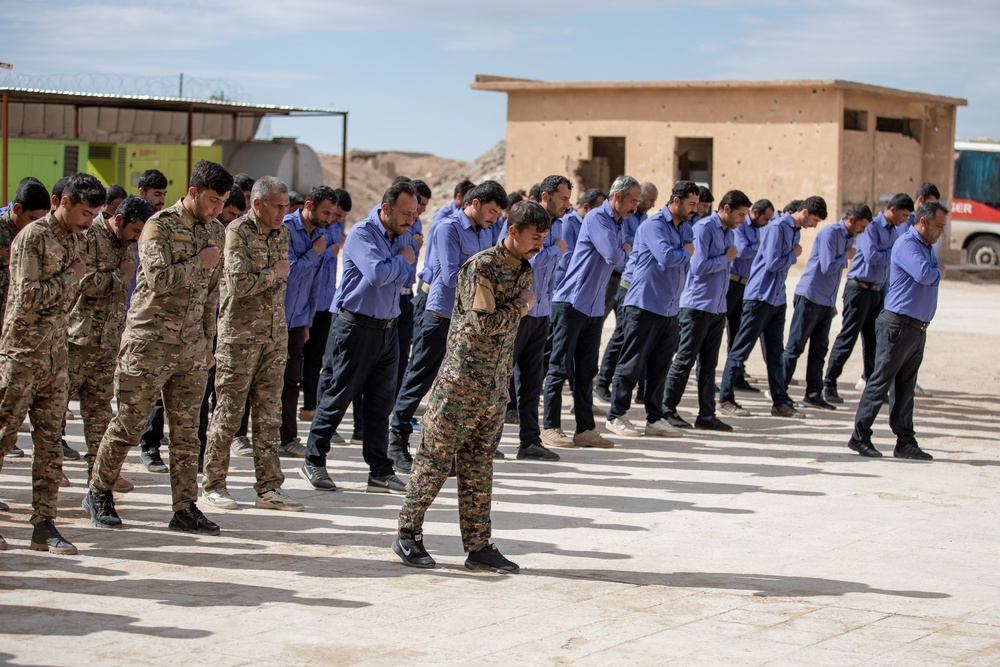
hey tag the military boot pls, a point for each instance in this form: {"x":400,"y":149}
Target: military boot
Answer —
{"x":399,"y":452}
{"x":45,"y":537}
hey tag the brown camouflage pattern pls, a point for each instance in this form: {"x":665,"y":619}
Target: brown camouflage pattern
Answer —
{"x":8,"y":230}
{"x":91,"y":377}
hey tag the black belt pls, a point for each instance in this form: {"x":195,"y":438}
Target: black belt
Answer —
{"x":367,"y":322}
{"x":738,"y":279}
{"x":911,"y":321}
{"x":868,"y":286}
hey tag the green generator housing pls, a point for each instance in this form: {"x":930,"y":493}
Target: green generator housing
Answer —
{"x":122,"y":163}
{"x":48,"y":160}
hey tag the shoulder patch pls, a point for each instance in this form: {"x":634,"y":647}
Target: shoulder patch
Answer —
{"x":484,"y":299}
{"x":151,"y":230}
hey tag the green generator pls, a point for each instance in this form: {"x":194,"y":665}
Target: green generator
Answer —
{"x":46,"y":159}
{"x":123,"y":163}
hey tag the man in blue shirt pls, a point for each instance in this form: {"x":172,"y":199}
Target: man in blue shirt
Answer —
{"x":747,"y":237}
{"x":702,"y":316}
{"x":705,"y":201}
{"x":914,"y":277}
{"x":457,"y":200}
{"x":363,"y":349}
{"x":572,"y":222}
{"x":863,"y":294}
{"x":764,"y":307}
{"x":459,"y":238}
{"x":655,"y":277}
{"x":578,"y":316}
{"x":815,"y":296}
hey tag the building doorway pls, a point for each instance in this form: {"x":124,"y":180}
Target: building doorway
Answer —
{"x":694,"y":160}
{"x":607,"y":160}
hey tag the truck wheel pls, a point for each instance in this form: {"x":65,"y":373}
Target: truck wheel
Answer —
{"x":985,"y":251}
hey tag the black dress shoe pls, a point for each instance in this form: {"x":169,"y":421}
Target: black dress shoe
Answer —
{"x":151,"y":459}
{"x":101,"y":508}
{"x":677,"y":421}
{"x":602,"y":392}
{"x":742,"y":385}
{"x":69,"y":453}
{"x":865,"y":449}
{"x":191,"y":520}
{"x":4,"y":507}
{"x":816,"y":401}
{"x":412,"y":552}
{"x":712,"y":424}
{"x":45,"y":537}
{"x":911,"y":451}
{"x":498,"y":455}
{"x":830,"y":395}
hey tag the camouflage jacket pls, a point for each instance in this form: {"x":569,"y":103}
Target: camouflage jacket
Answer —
{"x":172,"y":289}
{"x":98,"y":315}
{"x":484,"y":324}
{"x":42,"y":287}
{"x":8,"y":230}
{"x":253,"y":296}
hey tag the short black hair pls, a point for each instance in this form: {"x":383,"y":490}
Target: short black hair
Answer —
{"x":57,"y":189}
{"x":391,"y":195}
{"x":705,"y":195}
{"x":792,"y":206}
{"x":236,"y":198}
{"x":535,"y":191}
{"x":815,"y":205}
{"x":901,"y":202}
{"x":928,"y":189}
{"x":487,"y":192}
{"x":244,"y":181}
{"x":527,"y":213}
{"x":295,"y":198}
{"x":761,"y":205}
{"x":152,"y":179}
{"x":84,"y":188}
{"x":684,"y":189}
{"x":322,"y":193}
{"x":211,"y":175}
{"x":929,"y":210}
{"x":462,"y":187}
{"x":515,"y":197}
{"x":343,"y":199}
{"x":859,"y":212}
{"x":735,"y":199}
{"x":551,"y":183}
{"x":116,"y":191}
{"x":134,"y":209}
{"x":590,"y":197}
{"x":32,"y":195}
{"x":423,"y":189}
{"x":402,"y":179}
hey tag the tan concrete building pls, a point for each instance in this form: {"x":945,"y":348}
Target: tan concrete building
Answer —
{"x":847,"y":142}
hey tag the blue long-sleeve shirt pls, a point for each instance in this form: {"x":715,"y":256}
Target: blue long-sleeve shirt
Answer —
{"x":543,"y":266}
{"x":300,"y":304}
{"x":914,"y":277}
{"x":770,"y":267}
{"x":631,"y":226}
{"x":570,"y":232}
{"x":446,"y":211}
{"x":597,"y":254}
{"x":656,"y":268}
{"x":827,"y":261}
{"x":874,"y":252}
{"x":325,"y":284}
{"x":374,"y":271}
{"x":430,"y":254}
{"x":708,"y":279}
{"x":747,"y":243}
{"x":457,"y":240}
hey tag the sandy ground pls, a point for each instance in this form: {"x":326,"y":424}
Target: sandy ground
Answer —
{"x":774,"y":545}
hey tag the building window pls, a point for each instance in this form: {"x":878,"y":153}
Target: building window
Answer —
{"x":607,"y":161}
{"x":694,"y":160}
{"x":909,"y":127}
{"x":855,"y":119}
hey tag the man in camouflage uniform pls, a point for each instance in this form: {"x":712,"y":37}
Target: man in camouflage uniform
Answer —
{"x":45,"y":271}
{"x":31,"y":202}
{"x":469,"y":396}
{"x":252,"y":346}
{"x":98,"y":317}
{"x":165,"y":347}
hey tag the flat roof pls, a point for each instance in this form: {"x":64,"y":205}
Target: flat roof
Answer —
{"x":512,"y":85}
{"x":152,"y":103}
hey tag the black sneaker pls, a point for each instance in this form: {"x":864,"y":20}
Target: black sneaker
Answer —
{"x":191,"y":520}
{"x":15,"y":453}
{"x":317,"y":476}
{"x":677,"y":421}
{"x":830,"y":395}
{"x":69,"y":454}
{"x":412,"y":552}
{"x":865,"y":449}
{"x":742,"y":385}
{"x":489,"y":559}
{"x":511,"y":418}
{"x":4,"y":507}
{"x":498,"y":455}
{"x":151,"y":459}
{"x":385,"y":484}
{"x":45,"y":537}
{"x":399,"y":452}
{"x":712,"y":424}
{"x":536,"y":451}
{"x":602,"y":392}
{"x":911,"y":451}
{"x":816,"y":400}
{"x":101,"y":508}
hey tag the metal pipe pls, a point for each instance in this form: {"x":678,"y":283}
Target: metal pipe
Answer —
{"x":190,"y":152}
{"x":343,"y":155}
{"x":5,"y":131}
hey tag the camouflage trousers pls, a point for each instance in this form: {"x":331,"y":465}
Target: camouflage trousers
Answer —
{"x":91,"y":376}
{"x":36,"y":388}
{"x":245,"y":370}
{"x":145,"y":368}
{"x":461,"y":426}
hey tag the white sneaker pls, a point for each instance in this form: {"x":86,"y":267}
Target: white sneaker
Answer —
{"x":276,"y":499}
{"x":920,"y":391}
{"x":220,"y":499}
{"x":592,"y":438}
{"x":556,"y":437}
{"x":663,"y":429}
{"x":860,"y":385}
{"x":622,"y":426}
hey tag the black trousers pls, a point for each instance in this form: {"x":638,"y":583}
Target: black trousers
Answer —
{"x":767,"y":322}
{"x":734,"y":315}
{"x":357,"y":360}
{"x":529,"y":360}
{"x":613,"y":351}
{"x":611,"y":294}
{"x":208,"y":403}
{"x":899,"y":352}
{"x":153,"y":434}
{"x":701,"y":338}
{"x":312,"y":357}
{"x":404,"y":328}
{"x":861,"y":309}
{"x":810,"y":325}
{"x":649,"y":343}
{"x":576,"y":342}
{"x":429,"y":345}
{"x":290,"y":388}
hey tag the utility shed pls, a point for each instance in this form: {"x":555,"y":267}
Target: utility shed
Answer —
{"x":847,"y":142}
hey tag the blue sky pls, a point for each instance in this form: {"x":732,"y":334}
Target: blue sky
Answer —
{"x":403,"y":68}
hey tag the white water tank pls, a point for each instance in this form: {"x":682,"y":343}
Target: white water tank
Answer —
{"x":297,"y":165}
